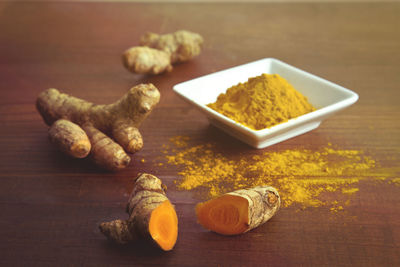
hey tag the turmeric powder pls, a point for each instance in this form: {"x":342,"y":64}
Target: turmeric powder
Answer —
{"x":304,"y":178}
{"x":262,"y":102}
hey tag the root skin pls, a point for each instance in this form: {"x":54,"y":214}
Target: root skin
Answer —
{"x":239,"y":211}
{"x":151,"y":216}
{"x":128,"y":136}
{"x":120,"y":119}
{"x":181,"y":45}
{"x":157,"y":53}
{"x":70,"y":138}
{"x":117,"y":231}
{"x":142,"y":59}
{"x":106,"y":152}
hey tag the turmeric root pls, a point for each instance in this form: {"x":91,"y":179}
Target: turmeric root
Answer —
{"x":151,"y":216}
{"x":181,"y":45}
{"x":142,"y":59}
{"x":239,"y":211}
{"x":78,"y":126}
{"x":70,"y":138}
{"x":157,"y":52}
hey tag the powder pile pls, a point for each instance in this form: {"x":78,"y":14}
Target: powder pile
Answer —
{"x":262,"y":102}
{"x":303,"y":177}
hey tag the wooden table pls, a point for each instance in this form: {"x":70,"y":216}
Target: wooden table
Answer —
{"x":51,"y":205}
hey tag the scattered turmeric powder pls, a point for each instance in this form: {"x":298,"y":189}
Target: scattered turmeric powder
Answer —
{"x":395,"y":181}
{"x":303,"y":177}
{"x":262,"y":102}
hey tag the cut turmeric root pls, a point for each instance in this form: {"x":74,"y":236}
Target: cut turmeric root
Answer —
{"x":151,"y":216}
{"x":239,"y":211}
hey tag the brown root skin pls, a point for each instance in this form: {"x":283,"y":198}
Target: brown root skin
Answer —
{"x":106,"y":152}
{"x":70,"y":138}
{"x":181,"y":45}
{"x":142,"y":59}
{"x":151,"y":216}
{"x":117,"y":231}
{"x":157,"y":52}
{"x":239,"y":211}
{"x":128,"y":136}
{"x":120,"y":119}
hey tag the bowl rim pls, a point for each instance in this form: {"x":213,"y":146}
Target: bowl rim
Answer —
{"x":318,"y":114}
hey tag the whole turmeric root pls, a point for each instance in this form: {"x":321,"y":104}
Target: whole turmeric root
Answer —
{"x":79,"y":127}
{"x":157,"y":52}
{"x":142,"y":59}
{"x":239,"y":211}
{"x":151,"y":216}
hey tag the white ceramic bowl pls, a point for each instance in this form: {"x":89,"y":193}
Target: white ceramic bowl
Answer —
{"x":326,"y":96}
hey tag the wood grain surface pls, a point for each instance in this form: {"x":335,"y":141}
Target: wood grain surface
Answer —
{"x":51,"y":205}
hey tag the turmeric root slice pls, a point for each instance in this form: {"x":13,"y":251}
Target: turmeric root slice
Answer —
{"x":239,"y":211}
{"x":163,"y":225}
{"x":151,"y":216}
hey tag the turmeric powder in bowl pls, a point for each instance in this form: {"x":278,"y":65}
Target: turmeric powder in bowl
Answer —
{"x":262,"y":102}
{"x":266,"y":109}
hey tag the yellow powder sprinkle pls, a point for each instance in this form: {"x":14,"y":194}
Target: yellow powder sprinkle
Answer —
{"x":262,"y":102}
{"x":336,"y":208}
{"x":349,"y":190}
{"x":303,"y":177}
{"x":395,"y":181}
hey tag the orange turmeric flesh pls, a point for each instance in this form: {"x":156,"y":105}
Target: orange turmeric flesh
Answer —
{"x":227,"y":215}
{"x":239,"y":211}
{"x":152,"y":217}
{"x":163,"y":225}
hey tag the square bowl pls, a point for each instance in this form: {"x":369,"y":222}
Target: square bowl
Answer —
{"x":327,"y":97}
